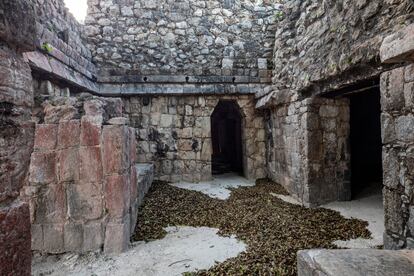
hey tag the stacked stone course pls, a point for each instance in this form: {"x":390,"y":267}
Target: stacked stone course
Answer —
{"x":181,"y":37}
{"x":397,"y":100}
{"x":82,"y":184}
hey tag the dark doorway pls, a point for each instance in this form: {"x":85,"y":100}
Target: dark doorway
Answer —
{"x":226,"y":137}
{"x":365,"y":139}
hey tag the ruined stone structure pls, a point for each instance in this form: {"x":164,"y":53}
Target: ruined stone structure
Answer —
{"x":301,"y":81}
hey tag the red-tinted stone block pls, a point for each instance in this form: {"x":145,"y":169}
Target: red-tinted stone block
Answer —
{"x":15,"y":240}
{"x":45,"y":137}
{"x":42,"y":167}
{"x":91,"y":130}
{"x":69,"y":164}
{"x":117,"y":195}
{"x":90,"y":164}
{"x":50,"y":204}
{"x":115,"y":149}
{"x":69,"y":134}
{"x":85,"y":201}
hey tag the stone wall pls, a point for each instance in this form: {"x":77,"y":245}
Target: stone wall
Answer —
{"x":322,"y":46}
{"x":82,"y":183}
{"x":16,"y":134}
{"x":56,"y":27}
{"x":307,"y":149}
{"x":397,"y":104}
{"x":174,"y":133}
{"x":188,"y":37}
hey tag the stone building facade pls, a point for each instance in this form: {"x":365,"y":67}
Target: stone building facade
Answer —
{"x":174,"y":133}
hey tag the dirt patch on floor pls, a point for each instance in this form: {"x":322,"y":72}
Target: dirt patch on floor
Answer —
{"x":272,"y":229}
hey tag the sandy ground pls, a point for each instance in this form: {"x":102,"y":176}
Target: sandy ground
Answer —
{"x":367,"y":206}
{"x":183,"y":249}
{"x":219,"y":187}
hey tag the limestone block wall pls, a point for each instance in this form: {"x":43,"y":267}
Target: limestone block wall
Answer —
{"x":397,"y":100}
{"x":56,"y":27}
{"x":188,"y":37}
{"x":82,"y":183}
{"x":307,"y":149}
{"x":174,"y":133}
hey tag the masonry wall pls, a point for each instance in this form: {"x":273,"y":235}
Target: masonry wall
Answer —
{"x":308,"y":151}
{"x":186,"y":37}
{"x":174,"y":133}
{"x":321,"y":46}
{"x":16,"y":134}
{"x":397,"y":101}
{"x":82,"y":187}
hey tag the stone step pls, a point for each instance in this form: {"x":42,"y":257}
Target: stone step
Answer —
{"x":355,"y":262}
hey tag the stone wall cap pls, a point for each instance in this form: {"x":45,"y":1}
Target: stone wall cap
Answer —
{"x":398,"y":47}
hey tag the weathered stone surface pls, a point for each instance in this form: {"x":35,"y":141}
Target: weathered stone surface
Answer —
{"x":91,"y":130}
{"x":117,"y":237}
{"x":68,"y":134}
{"x":117,"y":195}
{"x":188,"y":37}
{"x":398,"y":47}
{"x":85,"y":201}
{"x":174,"y":133}
{"x":53,"y":238}
{"x":45,"y":137}
{"x":43,"y":167}
{"x":18,"y":27}
{"x":355,"y":262}
{"x":320,"y":48}
{"x":15,"y":254}
{"x":116,"y":149}
{"x":90,"y":164}
{"x":69,"y":164}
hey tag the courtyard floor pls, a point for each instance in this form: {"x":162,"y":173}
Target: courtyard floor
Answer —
{"x":228,"y":226}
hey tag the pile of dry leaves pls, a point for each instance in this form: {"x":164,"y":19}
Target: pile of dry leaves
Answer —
{"x":272,"y":229}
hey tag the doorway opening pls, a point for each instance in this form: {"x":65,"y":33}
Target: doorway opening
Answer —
{"x":365,"y":141}
{"x":226,"y":136}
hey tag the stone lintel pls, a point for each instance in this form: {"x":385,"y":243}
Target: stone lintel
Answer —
{"x":353,"y":262}
{"x":398,"y":47}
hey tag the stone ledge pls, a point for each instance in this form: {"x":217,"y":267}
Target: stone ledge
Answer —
{"x":131,"y":89}
{"x":355,"y":262}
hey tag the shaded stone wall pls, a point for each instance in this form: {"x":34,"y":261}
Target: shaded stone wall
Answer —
{"x":181,"y":37}
{"x":16,"y":134}
{"x":174,"y":133}
{"x":397,"y":104}
{"x":82,"y":183}
{"x":321,"y":46}
{"x":307,"y":149}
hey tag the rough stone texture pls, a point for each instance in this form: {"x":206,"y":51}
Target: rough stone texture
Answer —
{"x":355,"y":262}
{"x":184,"y":37}
{"x":398,"y":156}
{"x":322,"y":46}
{"x":82,"y":172}
{"x":17,"y":28}
{"x":307,"y":151}
{"x":57,"y":28}
{"x":174,"y":134}
{"x":15,"y":254}
{"x":399,"y":47}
